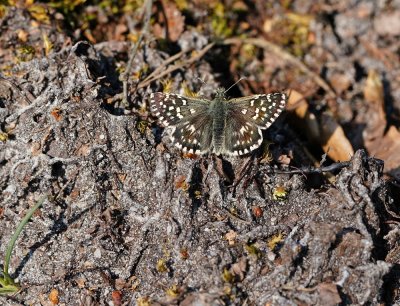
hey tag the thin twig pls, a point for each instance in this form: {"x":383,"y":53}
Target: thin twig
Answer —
{"x":262,"y":43}
{"x":158,"y":73}
{"x":151,"y":78}
{"x":165,"y":63}
{"x":23,"y":93}
{"x":309,"y":170}
{"x":134,"y":49}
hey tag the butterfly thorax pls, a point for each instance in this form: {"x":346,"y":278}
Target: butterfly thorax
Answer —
{"x":220,"y":93}
{"x":218,"y":109}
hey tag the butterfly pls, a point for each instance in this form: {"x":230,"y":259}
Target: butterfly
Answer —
{"x":221,"y":126}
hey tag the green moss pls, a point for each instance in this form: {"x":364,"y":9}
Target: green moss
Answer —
{"x":219,"y":22}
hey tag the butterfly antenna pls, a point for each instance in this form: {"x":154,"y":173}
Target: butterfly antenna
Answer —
{"x":202,"y":84}
{"x":242,"y":78}
{"x":202,"y":81}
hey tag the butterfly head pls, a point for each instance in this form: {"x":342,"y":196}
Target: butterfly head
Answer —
{"x":220,"y":93}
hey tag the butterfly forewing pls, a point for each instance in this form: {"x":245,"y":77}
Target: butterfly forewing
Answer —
{"x":262,"y":110}
{"x":172,"y":108}
{"x":189,"y":117}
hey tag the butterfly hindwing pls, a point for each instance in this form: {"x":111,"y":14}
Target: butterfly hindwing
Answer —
{"x":248,"y":116}
{"x":194,"y":134}
{"x":241,"y":135}
{"x":189,"y":118}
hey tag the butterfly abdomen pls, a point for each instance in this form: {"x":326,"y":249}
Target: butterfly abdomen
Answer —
{"x":218,"y":109}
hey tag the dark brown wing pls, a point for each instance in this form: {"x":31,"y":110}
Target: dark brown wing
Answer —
{"x":241,"y":136}
{"x":246,"y":117}
{"x":262,"y":110}
{"x":189,"y":118}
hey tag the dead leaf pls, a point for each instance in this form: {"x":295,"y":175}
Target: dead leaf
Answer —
{"x":328,"y":294}
{"x":22,"y":35}
{"x":80,"y":282}
{"x":388,"y":23}
{"x":39,"y":12}
{"x":388,"y":149}
{"x":53,"y":296}
{"x":328,"y":133}
{"x":376,"y":123}
{"x":257,"y":211}
{"x":36,"y":148}
{"x":56,"y":113}
{"x":284,"y":159}
{"x":116,"y":296}
{"x":231,"y":237}
{"x":83,"y":150}
{"x":340,"y":82}
{"x":120,"y":284}
{"x":175,"y":20}
{"x":268,"y":25}
{"x":180,"y":183}
{"x":240,"y":267}
{"x":383,"y":146}
{"x":299,"y":105}
{"x":373,"y":90}
{"x":184,"y":253}
{"x":47,"y":44}
{"x":333,"y":140}
{"x":120,"y":32}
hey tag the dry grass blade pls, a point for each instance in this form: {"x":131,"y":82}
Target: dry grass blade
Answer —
{"x":284,"y":55}
{"x":134,"y":49}
{"x":155,"y":76}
